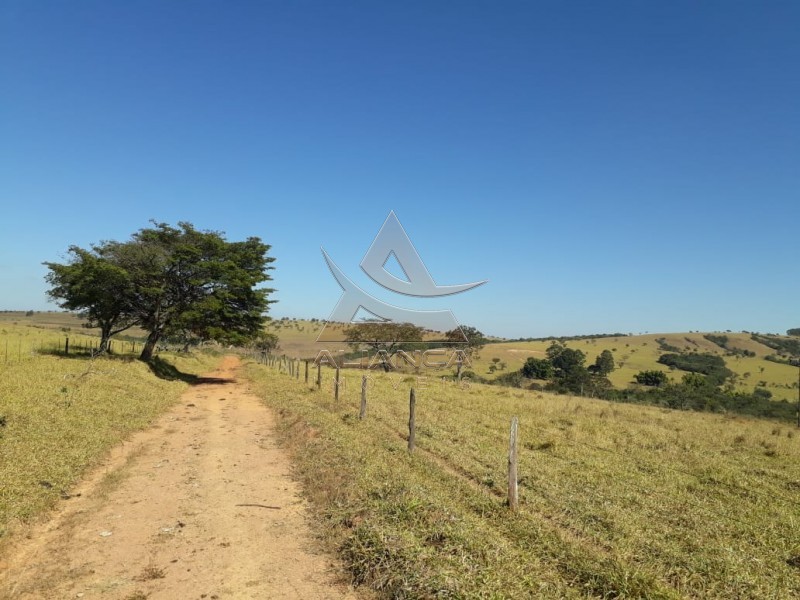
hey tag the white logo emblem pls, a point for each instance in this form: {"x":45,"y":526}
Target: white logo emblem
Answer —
{"x":392,"y":241}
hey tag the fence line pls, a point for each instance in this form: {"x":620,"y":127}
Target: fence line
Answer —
{"x":513,"y":475}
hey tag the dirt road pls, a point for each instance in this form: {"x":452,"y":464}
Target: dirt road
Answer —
{"x":200,"y":506}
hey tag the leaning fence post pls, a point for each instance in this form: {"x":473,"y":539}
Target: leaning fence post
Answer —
{"x":363,"y":412}
{"x":412,"y":423}
{"x":513,"y":498}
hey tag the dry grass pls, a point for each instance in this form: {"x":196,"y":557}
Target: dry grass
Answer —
{"x":20,"y":341}
{"x":61,"y":415}
{"x":616,"y":500}
{"x":151,"y":572}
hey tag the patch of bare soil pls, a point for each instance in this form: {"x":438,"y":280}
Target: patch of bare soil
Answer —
{"x":200,"y":506}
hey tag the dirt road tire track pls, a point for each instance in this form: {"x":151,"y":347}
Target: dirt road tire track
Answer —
{"x":199,"y":506}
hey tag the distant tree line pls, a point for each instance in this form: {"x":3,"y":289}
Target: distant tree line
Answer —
{"x":723,"y":341}
{"x":698,"y":393}
{"x":705,"y":386}
{"x":788,"y":346}
{"x":565,"y":370}
{"x":665,"y":346}
{"x":569,"y":338}
{"x":710,"y":365}
{"x":387,"y":337}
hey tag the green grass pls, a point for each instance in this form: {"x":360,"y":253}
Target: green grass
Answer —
{"x":61,"y":415}
{"x":616,"y":500}
{"x":20,"y":341}
{"x":632,"y":354}
{"x":641,"y":352}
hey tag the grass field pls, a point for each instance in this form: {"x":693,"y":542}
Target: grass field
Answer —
{"x":639,"y":353}
{"x":631,"y":353}
{"x":58,"y":416}
{"x":23,"y":337}
{"x":616,"y":500}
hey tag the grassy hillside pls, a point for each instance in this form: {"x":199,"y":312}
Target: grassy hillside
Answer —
{"x":641,"y":352}
{"x":632,"y":354}
{"x":298,"y":337}
{"x":616,"y":500}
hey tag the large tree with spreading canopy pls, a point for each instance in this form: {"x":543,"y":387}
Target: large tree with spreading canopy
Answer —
{"x":170,"y":281}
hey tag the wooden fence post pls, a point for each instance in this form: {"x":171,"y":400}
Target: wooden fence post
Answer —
{"x":297,"y":369}
{"x":319,"y":375}
{"x":412,"y":421}
{"x":336,"y":385}
{"x":363,"y":412}
{"x":513,"y":497}
{"x":306,"y":371}
{"x":66,"y":346}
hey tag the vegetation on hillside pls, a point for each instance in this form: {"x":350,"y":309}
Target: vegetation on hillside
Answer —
{"x":724,"y":342}
{"x":710,"y":365}
{"x":785,"y":346}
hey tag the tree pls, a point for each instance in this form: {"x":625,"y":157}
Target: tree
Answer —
{"x":384,"y":336}
{"x":696,"y":381}
{"x":793,"y":332}
{"x":537,"y":368}
{"x":190,"y":280}
{"x":569,"y":373}
{"x":470,"y":339}
{"x":603,"y":364}
{"x":170,"y":281}
{"x":265,"y":342}
{"x":565,"y":360}
{"x":653,"y":377}
{"x":94,"y":287}
{"x":554,"y":350}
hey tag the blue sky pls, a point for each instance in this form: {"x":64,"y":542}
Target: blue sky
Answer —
{"x":620,"y":166}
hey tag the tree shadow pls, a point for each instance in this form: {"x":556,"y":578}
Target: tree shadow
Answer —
{"x":80,"y":354}
{"x":164,"y":370}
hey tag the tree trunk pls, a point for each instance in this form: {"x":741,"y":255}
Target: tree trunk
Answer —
{"x":150,"y":346}
{"x":105,"y":337}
